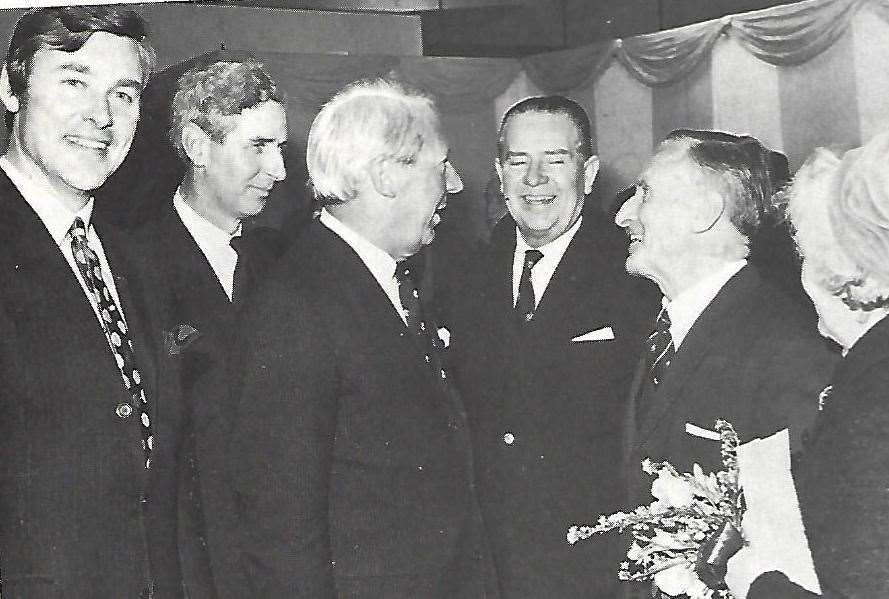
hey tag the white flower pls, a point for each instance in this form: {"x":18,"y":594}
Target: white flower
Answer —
{"x":680,"y":580}
{"x":671,"y":491}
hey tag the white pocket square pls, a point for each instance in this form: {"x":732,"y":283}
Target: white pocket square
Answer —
{"x":703,"y":433}
{"x":603,"y":334}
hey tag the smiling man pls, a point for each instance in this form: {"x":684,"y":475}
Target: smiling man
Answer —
{"x":350,"y":456}
{"x":545,"y":336}
{"x":727,"y":343}
{"x":88,"y":438}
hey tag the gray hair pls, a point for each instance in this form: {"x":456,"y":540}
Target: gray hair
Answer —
{"x":368,"y":119}
{"x":839,"y":208}
{"x":208,"y":96}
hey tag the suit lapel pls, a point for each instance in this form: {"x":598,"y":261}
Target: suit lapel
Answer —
{"x":710,"y":330}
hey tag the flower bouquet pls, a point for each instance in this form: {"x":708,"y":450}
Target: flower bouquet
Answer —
{"x":682,"y":540}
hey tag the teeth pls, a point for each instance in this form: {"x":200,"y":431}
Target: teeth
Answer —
{"x":530,"y":198}
{"x":89,"y":143}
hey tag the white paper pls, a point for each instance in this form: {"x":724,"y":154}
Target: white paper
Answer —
{"x":773,"y":524}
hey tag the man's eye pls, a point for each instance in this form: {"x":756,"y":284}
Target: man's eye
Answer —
{"x":557,"y":161}
{"x":125,"y":96}
{"x":73,"y":82}
{"x":517,"y":162}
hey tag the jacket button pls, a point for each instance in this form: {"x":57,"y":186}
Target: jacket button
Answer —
{"x":124,"y":410}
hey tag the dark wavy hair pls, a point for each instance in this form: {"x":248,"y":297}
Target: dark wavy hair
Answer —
{"x":67,"y":28}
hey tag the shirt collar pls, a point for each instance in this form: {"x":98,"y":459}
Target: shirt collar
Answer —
{"x":687,"y":306}
{"x":199,"y":226}
{"x":378,"y":262}
{"x":52,"y":211}
{"x":555,"y":248}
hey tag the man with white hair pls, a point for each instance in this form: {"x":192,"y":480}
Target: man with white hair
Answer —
{"x":350,"y":456}
{"x":727,"y":343}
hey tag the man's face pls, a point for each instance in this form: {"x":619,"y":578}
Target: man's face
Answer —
{"x":242,"y":169}
{"x":658,"y":219}
{"x":423,"y":191}
{"x":77,"y":118}
{"x":543,"y":177}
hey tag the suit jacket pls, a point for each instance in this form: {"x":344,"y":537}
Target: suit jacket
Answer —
{"x":750,"y":358}
{"x":546,"y":411}
{"x":350,"y":457}
{"x":192,"y":295}
{"x":79,"y":514}
{"x":841,"y":479}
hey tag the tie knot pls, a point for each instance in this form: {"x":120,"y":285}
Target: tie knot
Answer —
{"x":532,"y":257}
{"x":236,"y":242}
{"x":78,"y":229}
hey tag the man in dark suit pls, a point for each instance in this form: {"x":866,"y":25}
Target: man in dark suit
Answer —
{"x":350,"y":456}
{"x":727,"y":343}
{"x":544,"y":333}
{"x":88,"y":434}
{"x":228,"y":125}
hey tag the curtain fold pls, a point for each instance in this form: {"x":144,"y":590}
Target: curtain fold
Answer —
{"x":795,"y":33}
{"x":564,"y":70}
{"x":458,"y":84}
{"x":667,"y":56}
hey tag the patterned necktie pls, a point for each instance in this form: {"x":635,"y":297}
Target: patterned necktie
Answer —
{"x":116,"y":333}
{"x":409,"y":294}
{"x":525,"y":301}
{"x":660,"y":348}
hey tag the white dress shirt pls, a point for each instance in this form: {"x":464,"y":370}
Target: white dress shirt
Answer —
{"x":213,"y":242}
{"x":545,"y":267}
{"x":686,"y":307}
{"x":58,"y":218}
{"x":380,"y":264}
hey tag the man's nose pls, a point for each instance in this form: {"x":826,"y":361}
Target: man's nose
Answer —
{"x":628,"y":210}
{"x":453,"y":182}
{"x":99,"y":111}
{"x":275,"y":164}
{"x":534,"y":175}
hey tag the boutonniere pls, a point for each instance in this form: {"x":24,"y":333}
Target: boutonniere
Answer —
{"x":445,"y":335}
{"x":178,"y":340}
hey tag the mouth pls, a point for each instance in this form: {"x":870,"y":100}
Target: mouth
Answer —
{"x":636,"y":238}
{"x":89,"y":143}
{"x":538,"y":200}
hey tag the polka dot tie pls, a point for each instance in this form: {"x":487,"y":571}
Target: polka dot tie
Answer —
{"x":660,"y":349}
{"x":525,"y":301}
{"x":115,"y":331}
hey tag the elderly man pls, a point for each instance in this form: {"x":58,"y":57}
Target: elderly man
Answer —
{"x":544,"y":337}
{"x":350,"y":457}
{"x":726,"y":343}
{"x":87,"y":435}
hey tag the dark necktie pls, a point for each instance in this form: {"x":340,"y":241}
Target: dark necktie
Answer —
{"x":240,"y":279}
{"x":115,"y":331}
{"x":660,"y":349}
{"x":525,"y":301}
{"x":409,"y":294}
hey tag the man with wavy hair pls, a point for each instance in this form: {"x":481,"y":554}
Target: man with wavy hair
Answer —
{"x":88,"y":437}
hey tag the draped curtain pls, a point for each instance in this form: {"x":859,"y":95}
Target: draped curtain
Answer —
{"x":676,"y":66}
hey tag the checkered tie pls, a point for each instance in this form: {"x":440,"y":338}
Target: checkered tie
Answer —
{"x":525,"y":301}
{"x":660,"y":350}
{"x":115,"y":331}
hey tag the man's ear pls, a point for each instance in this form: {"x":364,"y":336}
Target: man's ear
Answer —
{"x":590,"y":171}
{"x":709,"y":208}
{"x":499,"y":168}
{"x":196,"y":143}
{"x":382,"y":175}
{"x":10,"y":100}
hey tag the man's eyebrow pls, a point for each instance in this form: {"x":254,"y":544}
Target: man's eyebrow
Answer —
{"x":515,"y":153}
{"x":78,"y":67}
{"x":559,"y":152}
